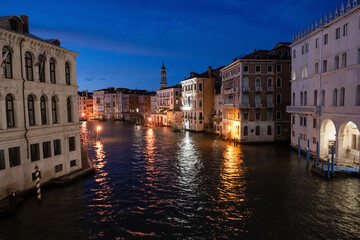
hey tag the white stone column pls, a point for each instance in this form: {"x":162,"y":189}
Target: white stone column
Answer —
{"x":338,"y":142}
{"x":2,"y":114}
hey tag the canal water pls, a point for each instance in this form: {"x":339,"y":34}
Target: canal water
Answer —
{"x":151,"y":183}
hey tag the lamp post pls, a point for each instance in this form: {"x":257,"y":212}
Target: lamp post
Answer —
{"x":98,"y":133}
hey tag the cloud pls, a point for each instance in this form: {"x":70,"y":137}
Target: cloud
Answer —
{"x":89,"y":79}
{"x":101,"y":79}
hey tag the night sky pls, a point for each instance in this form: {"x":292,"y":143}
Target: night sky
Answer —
{"x":123,"y":43}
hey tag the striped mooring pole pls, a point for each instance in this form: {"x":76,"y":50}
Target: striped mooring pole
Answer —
{"x":37,"y":175}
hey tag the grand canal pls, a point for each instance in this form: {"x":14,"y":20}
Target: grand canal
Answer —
{"x":151,"y":183}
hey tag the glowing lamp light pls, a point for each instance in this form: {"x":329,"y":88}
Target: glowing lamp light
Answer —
{"x":98,"y":128}
{"x":149,"y":119}
{"x":229,"y":127}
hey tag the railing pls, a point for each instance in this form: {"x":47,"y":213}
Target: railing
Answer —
{"x":244,"y":105}
{"x":258,"y":105}
{"x":303,"y":109}
{"x":229,"y":105}
{"x":258,"y":89}
{"x":270,"y":105}
{"x":270,"y":89}
{"x":246,"y":89}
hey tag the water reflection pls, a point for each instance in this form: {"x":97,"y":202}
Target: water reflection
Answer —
{"x":149,"y":152}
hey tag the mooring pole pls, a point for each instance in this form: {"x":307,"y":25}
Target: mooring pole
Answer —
{"x":332,"y":160}
{"x":308,"y":154}
{"x":317,"y":152}
{"x":299,"y":149}
{"x":328,"y":164}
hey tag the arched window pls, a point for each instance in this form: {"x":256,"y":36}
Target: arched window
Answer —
{"x":68,"y":107}
{"x":323,"y":98}
{"x":31,"y":110}
{"x":357,"y":100}
{"x":293,"y":99}
{"x":42,"y":60}
{"x":43,"y":110}
{"x":315,"y":98}
{"x":29,"y":67}
{"x":245,"y":131}
{"x":269,"y":82}
{"x":10,"y":118}
{"x":278,"y":98}
{"x":305,"y":98}
{"x":342,"y":97}
{"x":53,"y":110}
{"x":334,"y":100}
{"x":52,"y":71}
{"x":257,"y":82}
{"x":269,"y":130}
{"x":257,"y":130}
{"x":67,"y":73}
{"x":7,"y":67}
{"x":301,"y":99}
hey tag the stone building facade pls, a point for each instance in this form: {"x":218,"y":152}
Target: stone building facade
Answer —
{"x":325,"y":104}
{"x":39,"y":122}
{"x":256,"y":91}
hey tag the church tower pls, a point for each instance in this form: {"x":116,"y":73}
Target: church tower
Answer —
{"x":163,"y":82}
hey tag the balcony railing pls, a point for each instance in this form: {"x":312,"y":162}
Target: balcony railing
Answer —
{"x":270,"y":89}
{"x":270,"y":105}
{"x":244,"y":105}
{"x":229,"y":105}
{"x":258,"y":89}
{"x":258,"y":105}
{"x":303,"y":109}
{"x":246,"y":89}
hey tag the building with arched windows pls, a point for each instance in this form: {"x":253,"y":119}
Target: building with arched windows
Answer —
{"x":39,"y":123}
{"x":255,"y":90}
{"x":325,"y":105}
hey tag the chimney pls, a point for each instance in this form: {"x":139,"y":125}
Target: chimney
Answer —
{"x":25,"y":19}
{"x":209,"y":71}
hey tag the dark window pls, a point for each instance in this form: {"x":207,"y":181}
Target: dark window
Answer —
{"x":14,"y":156}
{"x":52,"y":71}
{"x":67,"y":73}
{"x":68,"y":107}
{"x":35,"y":152}
{"x":269,"y":130}
{"x":278,"y":130}
{"x":72,"y":163}
{"x":314,"y":123}
{"x":43,"y":110}
{"x":257,"y":130}
{"x":2,"y":159}
{"x":246,"y":68}
{"x":58,"y":168}
{"x":278,"y":83}
{"x":31,"y":110}
{"x":29,"y":67}
{"x":326,"y":39}
{"x":246,"y":116}
{"x":257,"y":68}
{"x":57,"y":147}
{"x":33,"y":175}
{"x":71,"y":144}
{"x":278,"y":98}
{"x":7,"y":67}
{"x":245,"y":131}
{"x":10,"y":111}
{"x":42,"y":72}
{"x":200,"y":87}
{"x":46,"y":149}
{"x":257,"y":116}
{"x":279,"y":68}
{"x":53,"y":110}
{"x":269,"y":68}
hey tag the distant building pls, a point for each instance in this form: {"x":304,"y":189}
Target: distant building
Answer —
{"x":85,"y":105}
{"x":256,"y":91}
{"x":103,"y":103}
{"x":198,"y":100}
{"x":144,"y":108}
{"x":163,"y":82}
{"x":39,"y":122}
{"x":325,"y":104}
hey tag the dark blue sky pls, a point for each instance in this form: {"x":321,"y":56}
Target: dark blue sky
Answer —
{"x":123,"y":43}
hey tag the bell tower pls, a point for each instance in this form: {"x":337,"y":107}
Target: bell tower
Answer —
{"x":163,"y":82}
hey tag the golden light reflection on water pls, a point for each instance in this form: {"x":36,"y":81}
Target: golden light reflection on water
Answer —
{"x":149,"y":152}
{"x":232,"y":175}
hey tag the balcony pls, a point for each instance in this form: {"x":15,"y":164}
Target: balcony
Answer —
{"x":246,"y":89}
{"x":258,"y":89}
{"x":231,"y":90}
{"x":229,"y":105}
{"x":258,"y":105}
{"x":270,"y":89}
{"x":244,"y":105}
{"x":303,"y":109}
{"x":270,"y":105}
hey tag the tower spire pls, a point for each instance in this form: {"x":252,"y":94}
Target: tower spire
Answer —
{"x":163,"y":82}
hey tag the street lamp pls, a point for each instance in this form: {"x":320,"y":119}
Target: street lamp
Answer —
{"x":97,"y":133}
{"x":149,"y":119}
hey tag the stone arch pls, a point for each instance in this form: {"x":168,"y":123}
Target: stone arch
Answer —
{"x":348,"y":139}
{"x":327,"y":137}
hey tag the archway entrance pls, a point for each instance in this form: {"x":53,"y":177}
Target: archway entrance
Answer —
{"x":327,"y":138}
{"x":348,"y":144}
